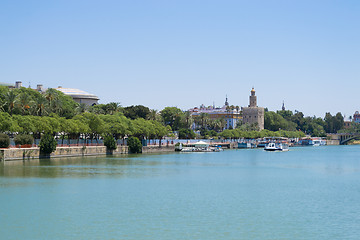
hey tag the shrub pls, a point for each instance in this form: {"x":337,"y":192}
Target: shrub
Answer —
{"x":134,"y":145}
{"x":23,"y":139}
{"x":47,"y":144}
{"x":4,"y":140}
{"x":110,"y":142}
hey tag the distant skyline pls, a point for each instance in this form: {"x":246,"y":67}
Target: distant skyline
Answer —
{"x":188,"y":53}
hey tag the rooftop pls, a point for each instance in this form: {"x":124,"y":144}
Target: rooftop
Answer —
{"x":6,"y":84}
{"x":77,"y":93}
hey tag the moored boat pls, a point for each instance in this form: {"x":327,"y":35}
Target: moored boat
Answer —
{"x":201,"y":147}
{"x":272,"y":146}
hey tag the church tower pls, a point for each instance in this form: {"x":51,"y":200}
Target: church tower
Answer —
{"x":253,"y":102}
{"x":226,"y":101}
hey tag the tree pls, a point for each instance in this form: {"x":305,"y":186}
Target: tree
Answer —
{"x":10,"y":100}
{"x":227,"y":134}
{"x":96,"y":125}
{"x":185,"y":133}
{"x":286,"y":114}
{"x":40,"y":106}
{"x":138,"y":111}
{"x":25,"y":123}
{"x":160,"y":131}
{"x":4,"y":140}
{"x":274,"y":122}
{"x":140,"y":128}
{"x":154,"y":115}
{"x":47,"y":144}
{"x":5,"y":122}
{"x":23,"y":139}
{"x":134,"y":145}
{"x":204,"y":118}
{"x":81,"y":108}
{"x":188,"y":119}
{"x":112,"y":108}
{"x":24,"y":102}
{"x":333,"y":123}
{"x":110,"y":142}
{"x":172,"y":116}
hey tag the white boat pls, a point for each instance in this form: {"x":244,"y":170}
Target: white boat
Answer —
{"x":187,"y":149}
{"x":281,"y":147}
{"x":201,"y":147}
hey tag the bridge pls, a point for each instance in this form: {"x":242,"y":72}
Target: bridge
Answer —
{"x":344,"y":138}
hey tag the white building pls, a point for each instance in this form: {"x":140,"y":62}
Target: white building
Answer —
{"x":231,"y":116}
{"x":80,"y":96}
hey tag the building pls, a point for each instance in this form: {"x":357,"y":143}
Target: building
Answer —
{"x":347,"y":124}
{"x":231,"y":116}
{"x":253,"y":114}
{"x":79,"y":96}
{"x":8,"y":85}
{"x":356,"y":117}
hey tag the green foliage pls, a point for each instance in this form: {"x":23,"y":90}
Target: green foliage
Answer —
{"x":5,"y":122}
{"x":274,"y":122}
{"x":23,"y":139}
{"x":107,"y":109}
{"x":138,"y":111}
{"x":134,"y":145}
{"x":237,"y":133}
{"x":248,"y":127}
{"x":354,"y":128}
{"x":185,"y":133}
{"x":27,"y":101}
{"x":47,"y":144}
{"x":172,"y":116}
{"x":317,"y":127}
{"x":110,"y":142}
{"x":333,"y":123}
{"x":4,"y":140}
{"x":26,"y":111}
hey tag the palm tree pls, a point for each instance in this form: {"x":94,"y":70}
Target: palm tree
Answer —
{"x":222,"y":123}
{"x":188,"y":118}
{"x":112,"y":108}
{"x":153,"y":115}
{"x":24,"y":102}
{"x":81,"y":108}
{"x":57,"y":105}
{"x":10,"y":99}
{"x":40,"y":105}
{"x":217,"y":125}
{"x":51,"y":95}
{"x":203,"y":119}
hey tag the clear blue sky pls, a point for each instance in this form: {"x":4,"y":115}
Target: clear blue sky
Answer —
{"x":185,"y":53}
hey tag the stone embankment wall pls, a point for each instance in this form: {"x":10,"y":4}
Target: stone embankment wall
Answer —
{"x":34,"y":153}
{"x":332,"y":142}
{"x":157,"y":149}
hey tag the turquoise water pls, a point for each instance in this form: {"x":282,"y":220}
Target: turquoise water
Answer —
{"x":306,"y":193}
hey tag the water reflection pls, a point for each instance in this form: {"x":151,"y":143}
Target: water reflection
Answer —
{"x":325,"y":160}
{"x":82,"y":167}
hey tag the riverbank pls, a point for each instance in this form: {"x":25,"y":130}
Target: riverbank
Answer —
{"x":34,"y":152}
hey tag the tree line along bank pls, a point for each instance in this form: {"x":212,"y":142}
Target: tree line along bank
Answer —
{"x":27,"y":112}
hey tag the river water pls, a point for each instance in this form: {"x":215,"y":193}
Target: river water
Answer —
{"x":306,"y":193}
